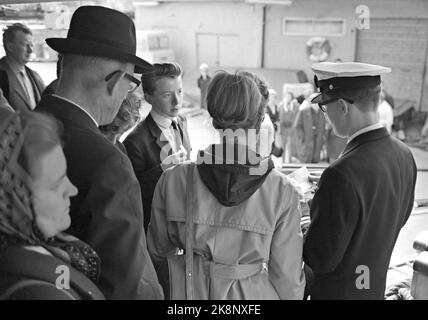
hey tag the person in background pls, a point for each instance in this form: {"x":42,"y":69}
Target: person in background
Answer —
{"x":247,"y":239}
{"x":267,"y":141}
{"x":386,"y":113}
{"x":288,"y":110}
{"x":35,"y":197}
{"x":273,"y":118}
{"x":365,"y":197}
{"x":203,"y":82}
{"x":98,"y":67}
{"x":128,"y":116}
{"x":21,"y":86}
{"x":310,"y":129}
{"x":162,"y":139}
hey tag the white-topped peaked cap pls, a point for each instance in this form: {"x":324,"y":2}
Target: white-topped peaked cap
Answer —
{"x":332,"y":77}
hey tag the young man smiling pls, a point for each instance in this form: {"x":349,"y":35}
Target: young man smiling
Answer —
{"x":161,"y":140}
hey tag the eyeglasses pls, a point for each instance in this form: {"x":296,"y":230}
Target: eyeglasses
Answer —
{"x":133,"y":82}
{"x":323,"y":106}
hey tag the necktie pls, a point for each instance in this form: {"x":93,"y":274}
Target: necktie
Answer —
{"x":177,"y":134}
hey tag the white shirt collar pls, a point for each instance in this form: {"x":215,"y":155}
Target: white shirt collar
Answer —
{"x":162,"y":121}
{"x":364,"y":130}
{"x":81,"y":108}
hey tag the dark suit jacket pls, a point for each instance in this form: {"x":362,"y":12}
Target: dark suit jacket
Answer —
{"x":363,"y":200}
{"x":144,"y":146}
{"x":107,"y":213}
{"x":13,"y":90}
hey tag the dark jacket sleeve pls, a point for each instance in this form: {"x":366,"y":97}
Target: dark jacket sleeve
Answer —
{"x":334,"y":217}
{"x":115,"y":231}
{"x":146,"y":170}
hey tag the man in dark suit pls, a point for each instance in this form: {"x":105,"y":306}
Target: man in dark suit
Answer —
{"x":98,"y":65}
{"x":161,"y":140}
{"x":365,"y":197}
{"x":21,"y":85}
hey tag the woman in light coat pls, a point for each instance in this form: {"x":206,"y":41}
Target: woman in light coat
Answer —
{"x":247,"y":241}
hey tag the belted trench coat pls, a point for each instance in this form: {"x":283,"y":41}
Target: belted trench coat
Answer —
{"x":249,"y":251}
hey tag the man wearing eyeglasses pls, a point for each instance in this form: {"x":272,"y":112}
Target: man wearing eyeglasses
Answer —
{"x":161,"y":140}
{"x":98,"y":67}
{"x":365,"y":196}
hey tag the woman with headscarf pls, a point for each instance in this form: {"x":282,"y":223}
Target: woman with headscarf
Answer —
{"x":246,"y":239}
{"x":38,"y":260}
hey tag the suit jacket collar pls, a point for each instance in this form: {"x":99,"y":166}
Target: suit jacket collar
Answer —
{"x":364,"y":138}
{"x":65,"y":110}
{"x":20,"y":90}
{"x":155,"y":131}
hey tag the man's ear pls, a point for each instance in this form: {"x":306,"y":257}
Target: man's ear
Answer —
{"x":9,"y":46}
{"x":343,"y":106}
{"x":148,"y":98}
{"x":113,"y":82}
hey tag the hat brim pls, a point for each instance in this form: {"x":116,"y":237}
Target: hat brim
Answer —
{"x":90,"y":48}
{"x":322,"y":97}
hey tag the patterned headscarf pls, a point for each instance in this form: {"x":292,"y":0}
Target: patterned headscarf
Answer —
{"x":17,"y":215}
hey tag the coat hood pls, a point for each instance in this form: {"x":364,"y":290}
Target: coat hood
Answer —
{"x":232,"y":172}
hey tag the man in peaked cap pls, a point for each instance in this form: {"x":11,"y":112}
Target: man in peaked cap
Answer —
{"x":97,"y":73}
{"x":365,"y":196}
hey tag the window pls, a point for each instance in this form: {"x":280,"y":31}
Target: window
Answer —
{"x":158,"y":43}
{"x":312,"y":26}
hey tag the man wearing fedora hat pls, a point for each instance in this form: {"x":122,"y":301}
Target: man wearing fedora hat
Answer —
{"x":97,"y":73}
{"x":365,"y":196}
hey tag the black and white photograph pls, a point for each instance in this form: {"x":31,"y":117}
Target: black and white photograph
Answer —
{"x":227,"y":152}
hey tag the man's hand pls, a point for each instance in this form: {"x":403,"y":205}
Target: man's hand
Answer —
{"x":174,"y":159}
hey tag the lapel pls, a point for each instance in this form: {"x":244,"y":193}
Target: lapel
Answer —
{"x":156,"y":133}
{"x":16,"y":84}
{"x":23,"y":96}
{"x":364,"y":138}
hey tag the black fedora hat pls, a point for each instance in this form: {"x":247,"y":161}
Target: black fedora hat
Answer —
{"x":101,"y":32}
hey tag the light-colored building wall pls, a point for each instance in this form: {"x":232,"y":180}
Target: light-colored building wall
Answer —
{"x":235,"y":34}
{"x":237,"y":26}
{"x":289,"y":51}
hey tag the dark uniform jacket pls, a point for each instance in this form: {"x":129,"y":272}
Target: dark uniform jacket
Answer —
{"x":14,"y":91}
{"x":363,"y":200}
{"x":29,"y":275}
{"x":144,"y":147}
{"x":107,"y":213}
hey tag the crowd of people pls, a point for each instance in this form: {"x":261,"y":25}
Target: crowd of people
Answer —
{"x":83,"y":216}
{"x":301,"y":132}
